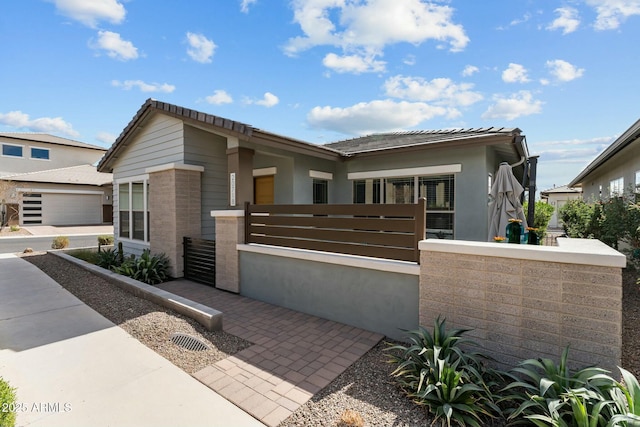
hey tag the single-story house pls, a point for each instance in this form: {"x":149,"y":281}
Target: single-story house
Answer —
{"x":615,"y":171}
{"x":558,"y":197}
{"x":54,"y":180}
{"x":172,"y":166}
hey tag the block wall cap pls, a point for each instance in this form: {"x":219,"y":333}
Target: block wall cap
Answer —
{"x":174,"y":166}
{"x":568,"y":251}
{"x":228,"y":213}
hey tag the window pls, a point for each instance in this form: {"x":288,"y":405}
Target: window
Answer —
{"x":11,"y":150}
{"x":439,"y":190}
{"x":133,"y":202}
{"x":638,"y":182}
{"x":616,"y":187}
{"x":366,"y":191}
{"x":40,"y":153}
{"x":320,"y":191}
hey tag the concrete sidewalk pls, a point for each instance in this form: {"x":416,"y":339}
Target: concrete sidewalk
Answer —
{"x":73,"y":367}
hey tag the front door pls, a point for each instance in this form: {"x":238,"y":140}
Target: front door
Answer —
{"x":263,"y":190}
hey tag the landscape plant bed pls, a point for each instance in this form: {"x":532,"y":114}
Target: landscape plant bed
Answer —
{"x":366,"y":387}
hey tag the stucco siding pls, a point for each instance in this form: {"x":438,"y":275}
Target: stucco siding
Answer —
{"x":208,"y":150}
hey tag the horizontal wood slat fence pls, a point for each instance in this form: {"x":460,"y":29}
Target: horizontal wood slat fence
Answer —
{"x":375,"y":230}
{"x":200,"y":260}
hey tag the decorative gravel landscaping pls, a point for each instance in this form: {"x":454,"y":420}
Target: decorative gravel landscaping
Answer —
{"x":365,"y":387}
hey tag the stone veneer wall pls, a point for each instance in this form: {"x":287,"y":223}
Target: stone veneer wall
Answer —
{"x":174,"y":211}
{"x":527,"y":302}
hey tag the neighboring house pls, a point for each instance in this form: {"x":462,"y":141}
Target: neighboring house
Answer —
{"x":55,"y":180}
{"x":615,"y":171}
{"x":172,"y":166}
{"x":558,"y":197}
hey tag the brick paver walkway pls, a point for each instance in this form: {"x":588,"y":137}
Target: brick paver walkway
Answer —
{"x":294,"y":354}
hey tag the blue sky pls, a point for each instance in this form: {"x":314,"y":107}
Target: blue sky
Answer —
{"x":565,"y":72}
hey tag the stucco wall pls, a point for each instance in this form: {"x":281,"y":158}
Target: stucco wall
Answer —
{"x":380,"y":301}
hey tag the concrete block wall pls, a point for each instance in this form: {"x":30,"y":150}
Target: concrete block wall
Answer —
{"x":229,"y":233}
{"x":528,"y":302}
{"x":174,"y":210}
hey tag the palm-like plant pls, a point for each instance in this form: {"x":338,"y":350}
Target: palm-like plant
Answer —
{"x":434,"y":371}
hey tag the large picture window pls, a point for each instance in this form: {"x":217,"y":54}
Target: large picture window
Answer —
{"x":133,"y":202}
{"x":439,"y":190}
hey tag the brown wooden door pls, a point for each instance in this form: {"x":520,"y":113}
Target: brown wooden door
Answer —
{"x":263,"y":190}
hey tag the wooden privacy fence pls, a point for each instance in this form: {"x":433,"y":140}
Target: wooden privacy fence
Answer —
{"x":199,"y":260}
{"x":375,"y":230}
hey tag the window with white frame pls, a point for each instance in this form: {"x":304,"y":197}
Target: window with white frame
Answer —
{"x":40,"y":153}
{"x":439,"y":190}
{"x":637,"y":187}
{"x":11,"y":150}
{"x":616,"y":187}
{"x":133,"y":207}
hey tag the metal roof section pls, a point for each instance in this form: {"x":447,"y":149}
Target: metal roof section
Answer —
{"x":628,"y":137}
{"x":26,"y":137}
{"x":80,"y":175}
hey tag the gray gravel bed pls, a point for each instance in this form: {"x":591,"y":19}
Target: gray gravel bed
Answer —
{"x":149,"y":323}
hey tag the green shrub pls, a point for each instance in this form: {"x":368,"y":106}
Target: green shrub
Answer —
{"x":151,"y":269}
{"x":577,"y":218}
{"x":454,"y":384}
{"x":105,"y":240}
{"x":87,"y":255}
{"x":542,"y":215}
{"x":60,"y":242}
{"x":14,"y":228}
{"x":7,"y":400}
{"x":108,"y":259}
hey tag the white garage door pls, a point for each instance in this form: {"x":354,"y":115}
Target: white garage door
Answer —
{"x":71,"y":209}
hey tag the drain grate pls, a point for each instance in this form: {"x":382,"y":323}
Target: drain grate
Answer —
{"x":188,"y":342}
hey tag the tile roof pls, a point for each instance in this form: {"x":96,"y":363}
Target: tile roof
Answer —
{"x":346,"y":148}
{"x":382,"y":141}
{"x":49,"y":139}
{"x":82,"y":174}
{"x":561,"y":189}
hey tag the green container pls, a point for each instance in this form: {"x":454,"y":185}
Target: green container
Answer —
{"x":514,"y":230}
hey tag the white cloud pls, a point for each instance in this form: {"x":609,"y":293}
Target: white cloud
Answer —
{"x":355,"y":64}
{"x":20,"y":120}
{"x":567,"y":20}
{"x":268,"y":100}
{"x":91,"y":12}
{"x":517,"y":105}
{"x":375,"y":116}
{"x":200,"y":48}
{"x":115,"y":47}
{"x":470,"y":70}
{"x":106,"y":137}
{"x":219,"y":97}
{"x":441,"y":91}
{"x":563,"y":71}
{"x":244,"y":5}
{"x":372,"y":25}
{"x":612,"y":12}
{"x":143,"y":86}
{"x":515,"y":73}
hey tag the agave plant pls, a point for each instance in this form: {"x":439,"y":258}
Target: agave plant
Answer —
{"x":151,"y":269}
{"x":550,"y":394}
{"x":434,"y":371}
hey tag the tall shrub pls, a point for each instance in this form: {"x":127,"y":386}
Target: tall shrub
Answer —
{"x":541,"y":217}
{"x":577,"y":218}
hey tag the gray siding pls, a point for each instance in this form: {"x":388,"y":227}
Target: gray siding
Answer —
{"x":208,"y":150}
{"x":624,"y":164}
{"x":159,"y":142}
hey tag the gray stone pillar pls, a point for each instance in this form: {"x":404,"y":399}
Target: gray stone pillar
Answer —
{"x":229,"y":233}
